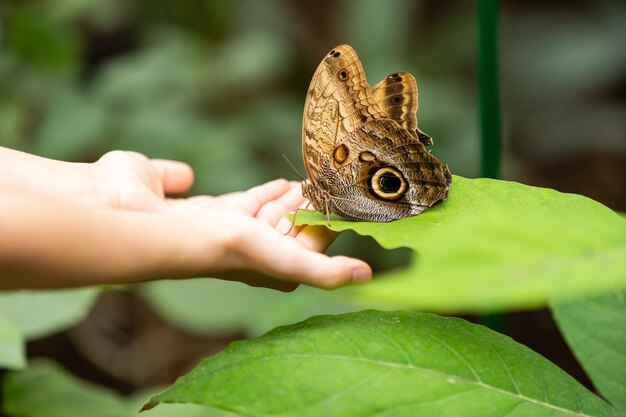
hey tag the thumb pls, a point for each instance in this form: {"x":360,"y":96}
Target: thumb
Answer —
{"x":176,"y":177}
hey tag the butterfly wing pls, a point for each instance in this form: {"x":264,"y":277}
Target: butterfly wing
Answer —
{"x":397,"y":96}
{"x":362,"y":151}
{"x":337,"y":102}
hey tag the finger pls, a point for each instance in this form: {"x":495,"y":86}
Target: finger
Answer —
{"x":255,"y":198}
{"x":229,"y":198}
{"x":296,"y":184}
{"x":274,"y":211}
{"x":321,"y":271}
{"x":316,"y":238}
{"x":286,"y":226}
{"x":283,"y":258}
{"x":176,"y":177}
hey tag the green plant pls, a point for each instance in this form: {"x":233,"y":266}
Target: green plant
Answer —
{"x":384,"y":364}
{"x":215,"y":83}
{"x":493,"y":245}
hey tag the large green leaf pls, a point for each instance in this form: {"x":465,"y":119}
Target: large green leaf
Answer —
{"x":383,"y":364}
{"x":46,"y":390}
{"x":41,"y":313}
{"x":12,"y":353}
{"x":468,"y":199}
{"x":497,"y":245}
{"x":595,"y":329}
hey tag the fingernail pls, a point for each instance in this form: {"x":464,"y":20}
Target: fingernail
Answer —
{"x":361,"y":275}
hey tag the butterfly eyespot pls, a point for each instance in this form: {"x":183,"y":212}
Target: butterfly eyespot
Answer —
{"x":343,"y":75}
{"x":337,"y":54}
{"x":331,"y":53}
{"x":341,"y":153}
{"x":388,"y":183}
{"x":394,"y":75}
{"x":397,"y":100}
{"x":366,"y":156}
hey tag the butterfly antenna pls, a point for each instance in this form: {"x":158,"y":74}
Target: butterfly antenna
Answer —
{"x":289,"y":168}
{"x":293,"y":169}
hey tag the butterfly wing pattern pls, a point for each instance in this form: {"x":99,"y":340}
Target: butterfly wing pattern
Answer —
{"x":364,"y":155}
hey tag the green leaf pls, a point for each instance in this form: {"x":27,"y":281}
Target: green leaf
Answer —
{"x":497,"y":245}
{"x":595,"y":328}
{"x":12,"y":355}
{"x":216,"y":306}
{"x":47,"y":390}
{"x":383,"y":364}
{"x":467,"y":198}
{"x":40,"y":313}
{"x":182,"y":410}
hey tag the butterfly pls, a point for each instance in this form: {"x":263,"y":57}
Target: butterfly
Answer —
{"x":363,"y":153}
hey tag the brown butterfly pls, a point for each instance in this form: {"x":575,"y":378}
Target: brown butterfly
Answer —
{"x":363,"y":153}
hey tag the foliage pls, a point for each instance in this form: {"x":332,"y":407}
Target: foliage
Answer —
{"x":26,"y":315}
{"x":213,"y":306}
{"x":41,"y":313}
{"x":11,"y":345}
{"x":67,"y":396}
{"x":216,"y":83}
{"x":384,"y":364}
{"x":496,"y":245}
{"x":594,"y":328}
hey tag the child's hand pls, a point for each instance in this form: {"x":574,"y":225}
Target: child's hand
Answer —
{"x":251,"y":226}
{"x":54,"y":233}
{"x":243,"y":236}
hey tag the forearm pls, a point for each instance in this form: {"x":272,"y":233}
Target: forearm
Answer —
{"x":46,"y":243}
{"x":62,"y":180}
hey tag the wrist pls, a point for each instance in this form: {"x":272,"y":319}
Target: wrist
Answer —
{"x":86,"y":184}
{"x":100,"y":185}
{"x":199,"y":242}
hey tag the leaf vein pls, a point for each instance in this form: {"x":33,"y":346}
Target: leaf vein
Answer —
{"x":458,"y":355}
{"x":464,"y":379}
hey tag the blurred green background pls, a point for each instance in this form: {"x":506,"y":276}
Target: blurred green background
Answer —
{"x":219,"y":83}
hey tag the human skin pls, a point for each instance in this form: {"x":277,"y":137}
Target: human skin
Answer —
{"x":112,"y":222}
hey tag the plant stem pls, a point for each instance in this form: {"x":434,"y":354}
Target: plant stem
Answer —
{"x":489,"y":107}
{"x":489,"y":102}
